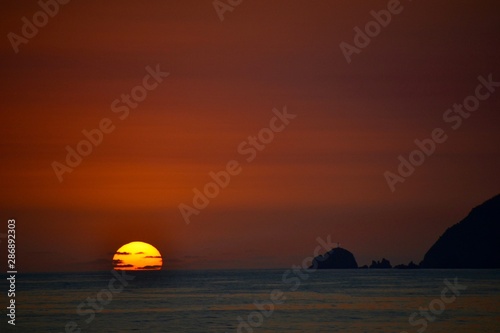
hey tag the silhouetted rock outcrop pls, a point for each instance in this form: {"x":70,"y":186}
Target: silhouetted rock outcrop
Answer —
{"x":381,"y":264}
{"x":411,"y":265}
{"x":474,"y":242}
{"x":335,"y":259}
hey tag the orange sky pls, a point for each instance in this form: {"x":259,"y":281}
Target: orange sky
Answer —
{"x":322,"y":175}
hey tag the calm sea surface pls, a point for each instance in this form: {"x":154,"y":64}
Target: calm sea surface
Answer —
{"x":220,"y":301}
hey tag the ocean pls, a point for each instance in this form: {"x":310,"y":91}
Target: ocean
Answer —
{"x":224,"y":301}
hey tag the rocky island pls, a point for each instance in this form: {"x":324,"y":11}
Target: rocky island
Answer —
{"x":336,"y":258}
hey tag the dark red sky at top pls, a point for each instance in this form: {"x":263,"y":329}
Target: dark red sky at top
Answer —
{"x":323,"y":175}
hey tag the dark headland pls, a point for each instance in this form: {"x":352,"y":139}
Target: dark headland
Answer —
{"x":474,"y":242}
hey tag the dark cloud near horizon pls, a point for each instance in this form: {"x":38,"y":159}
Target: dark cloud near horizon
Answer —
{"x":150,"y":267}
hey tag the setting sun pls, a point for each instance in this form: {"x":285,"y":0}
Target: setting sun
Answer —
{"x":137,"y":256}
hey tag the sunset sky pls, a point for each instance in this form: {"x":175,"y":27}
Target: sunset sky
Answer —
{"x":322,"y":175}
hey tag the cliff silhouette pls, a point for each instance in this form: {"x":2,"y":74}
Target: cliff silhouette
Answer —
{"x":474,"y":242}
